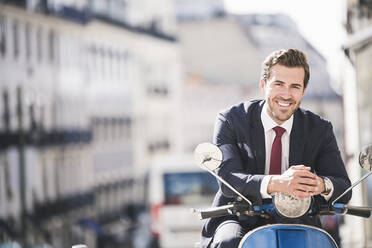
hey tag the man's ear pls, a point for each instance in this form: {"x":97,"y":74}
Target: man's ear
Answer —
{"x":303,"y":93}
{"x":262,"y":85}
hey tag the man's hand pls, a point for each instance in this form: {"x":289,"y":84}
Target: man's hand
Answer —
{"x":297,"y":181}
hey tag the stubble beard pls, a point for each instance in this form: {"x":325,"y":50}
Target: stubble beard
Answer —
{"x":277,"y":116}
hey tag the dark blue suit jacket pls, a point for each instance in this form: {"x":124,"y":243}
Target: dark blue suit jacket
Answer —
{"x":239,"y":134}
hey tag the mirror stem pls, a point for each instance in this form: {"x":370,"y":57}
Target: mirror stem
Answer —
{"x":226,"y":183}
{"x":352,"y":186}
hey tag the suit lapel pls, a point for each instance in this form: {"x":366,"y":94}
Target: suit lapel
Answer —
{"x":297,"y":139}
{"x":258,"y":139}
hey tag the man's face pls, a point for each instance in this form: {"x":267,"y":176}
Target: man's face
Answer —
{"x":283,"y":91}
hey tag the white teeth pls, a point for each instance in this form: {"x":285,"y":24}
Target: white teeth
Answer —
{"x":283,"y":104}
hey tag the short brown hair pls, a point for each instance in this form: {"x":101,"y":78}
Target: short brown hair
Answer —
{"x":285,"y":57}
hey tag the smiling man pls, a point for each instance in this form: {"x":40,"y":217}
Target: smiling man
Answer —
{"x":273,"y":145}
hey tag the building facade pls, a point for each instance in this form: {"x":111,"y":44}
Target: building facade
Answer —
{"x":80,"y":90}
{"x":358,"y":107}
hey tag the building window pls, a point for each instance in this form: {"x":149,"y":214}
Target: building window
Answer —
{"x":6,"y":109}
{"x":124,"y":65}
{"x":39,"y":44}
{"x":102,"y":59}
{"x":28,"y":41}
{"x":117,"y":65}
{"x":44,"y":172}
{"x":157,"y":89}
{"x":158,"y":145}
{"x":127,"y":127}
{"x":15,"y":39}
{"x":51,"y":46}
{"x":2,"y":36}
{"x":110,"y":63}
{"x":93,"y":60}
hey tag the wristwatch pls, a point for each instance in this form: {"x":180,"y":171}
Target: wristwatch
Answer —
{"x":327,"y":186}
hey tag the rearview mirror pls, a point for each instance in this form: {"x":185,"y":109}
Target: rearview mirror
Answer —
{"x":208,"y":155}
{"x":365,"y":157}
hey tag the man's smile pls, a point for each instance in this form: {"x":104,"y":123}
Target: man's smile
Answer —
{"x":283,"y":104}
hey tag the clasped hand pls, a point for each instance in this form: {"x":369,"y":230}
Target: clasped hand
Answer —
{"x":297,"y":181}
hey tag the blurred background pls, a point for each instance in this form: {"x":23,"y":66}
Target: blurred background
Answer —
{"x":103,"y":102}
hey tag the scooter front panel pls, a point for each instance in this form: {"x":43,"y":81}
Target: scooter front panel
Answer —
{"x":287,"y":236}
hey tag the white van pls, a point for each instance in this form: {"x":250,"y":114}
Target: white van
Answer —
{"x":176,"y":184}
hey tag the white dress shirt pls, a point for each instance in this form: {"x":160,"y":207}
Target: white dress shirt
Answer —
{"x":268,"y":125}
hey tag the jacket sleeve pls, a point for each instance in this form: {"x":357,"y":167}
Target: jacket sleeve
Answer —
{"x":329,"y":164}
{"x":232,"y":169}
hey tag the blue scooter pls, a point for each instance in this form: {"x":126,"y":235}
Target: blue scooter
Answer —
{"x":209,"y":157}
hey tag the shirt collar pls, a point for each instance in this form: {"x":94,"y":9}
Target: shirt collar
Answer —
{"x":269,"y":123}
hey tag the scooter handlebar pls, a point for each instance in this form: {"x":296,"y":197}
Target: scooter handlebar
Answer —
{"x":339,"y":208}
{"x":358,"y":211}
{"x":215,"y":212}
{"x":268,"y":209}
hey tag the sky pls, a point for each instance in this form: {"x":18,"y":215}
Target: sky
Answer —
{"x":321,"y":23}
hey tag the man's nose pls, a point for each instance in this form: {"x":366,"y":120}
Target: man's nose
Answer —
{"x":285,"y":93}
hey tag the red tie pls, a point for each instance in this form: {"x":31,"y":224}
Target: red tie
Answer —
{"x":276,"y":152}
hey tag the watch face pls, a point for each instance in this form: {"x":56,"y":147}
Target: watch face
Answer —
{"x":327,"y":185}
{"x":290,"y":206}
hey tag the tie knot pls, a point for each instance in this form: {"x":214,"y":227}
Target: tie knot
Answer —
{"x":279,"y":131}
